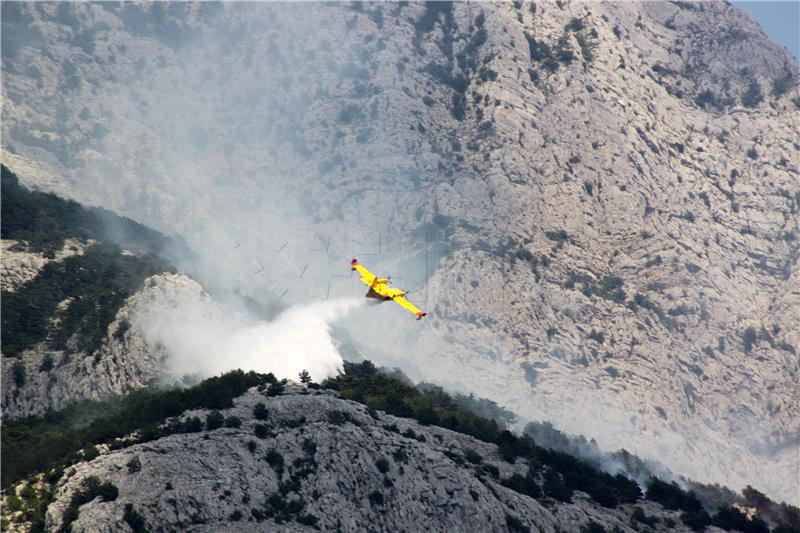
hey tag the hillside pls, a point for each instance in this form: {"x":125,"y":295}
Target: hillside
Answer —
{"x":597,"y":203}
{"x":252,"y":452}
{"x":73,"y":281}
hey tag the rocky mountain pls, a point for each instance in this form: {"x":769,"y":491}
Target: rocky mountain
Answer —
{"x":303,"y":457}
{"x":79,"y":353}
{"x":597,"y":202}
{"x":70,"y":303}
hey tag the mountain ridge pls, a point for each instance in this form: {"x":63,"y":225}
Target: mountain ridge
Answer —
{"x":613,"y":189}
{"x":241,"y":422}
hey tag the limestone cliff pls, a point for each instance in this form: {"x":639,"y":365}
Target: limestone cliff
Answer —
{"x":606,"y":194}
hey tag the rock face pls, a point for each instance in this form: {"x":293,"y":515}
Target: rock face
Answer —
{"x":126,"y":361}
{"x":607,"y":193}
{"x":352,"y":470}
{"x":20,"y":266}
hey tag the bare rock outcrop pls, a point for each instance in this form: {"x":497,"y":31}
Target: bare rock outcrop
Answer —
{"x":20,"y":265}
{"x":607,"y":194}
{"x":126,"y":361}
{"x":325,"y":462}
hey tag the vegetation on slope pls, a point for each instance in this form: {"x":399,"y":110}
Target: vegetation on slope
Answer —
{"x":711,"y":496}
{"x":44,"y":221}
{"x":364,"y":383}
{"x":52,"y":442}
{"x":95,"y":284}
{"x":561,"y":473}
{"x":38,"y":444}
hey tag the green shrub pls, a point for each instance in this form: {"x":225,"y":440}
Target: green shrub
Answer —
{"x":598,"y":336}
{"x":752,"y":96}
{"x":730,"y":518}
{"x":611,"y":288}
{"x":490,"y":469}
{"x":260,"y":411}
{"x":90,"y":489}
{"x":233,"y":422}
{"x":308,"y":520}
{"x":192,"y":424}
{"x":339,"y":417}
{"x":472,"y":456}
{"x":134,"y":519}
{"x":18,"y":373}
{"x":45,"y":221}
{"x":309,"y":447}
{"x":539,"y":51}
{"x":122,"y":329}
{"x":557,"y":236}
{"x":523,"y":484}
{"x":275,"y":460}
{"x":454,"y":456}
{"x":781,"y":85}
{"x":575,"y":24}
{"x":293,"y":422}
{"x":749,"y":338}
{"x":276,"y":389}
{"x":280,"y":508}
{"x":696,"y":520}
{"x":97,"y":283}
{"x":134,"y":465}
{"x":639,"y":515}
{"x":554,"y":486}
{"x":382,"y":464}
{"x":47,"y":363}
{"x":593,"y":527}
{"x":214,"y":420}
{"x":13,"y":502}
{"x":515,"y":525}
{"x":400,"y":455}
{"x":680,"y":310}
{"x":90,"y":453}
{"x":262,"y":431}
{"x":708,"y":98}
{"x":671,"y":496}
{"x":375,"y":498}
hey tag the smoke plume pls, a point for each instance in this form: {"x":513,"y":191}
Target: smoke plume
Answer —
{"x":203,"y":341}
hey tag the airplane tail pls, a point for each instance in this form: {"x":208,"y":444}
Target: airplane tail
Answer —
{"x":420,"y":315}
{"x":353,"y":264}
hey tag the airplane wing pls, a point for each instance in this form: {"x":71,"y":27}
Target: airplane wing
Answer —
{"x":366,"y":276}
{"x":391,"y":292}
{"x":411,"y":307}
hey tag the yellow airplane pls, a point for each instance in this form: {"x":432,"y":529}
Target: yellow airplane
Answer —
{"x":379,"y":289}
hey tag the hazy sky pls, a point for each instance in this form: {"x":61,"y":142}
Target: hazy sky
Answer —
{"x":779,"y":20}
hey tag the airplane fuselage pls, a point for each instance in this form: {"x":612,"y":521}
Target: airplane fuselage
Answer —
{"x":379,"y":289}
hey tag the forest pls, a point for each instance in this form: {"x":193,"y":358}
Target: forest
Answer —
{"x":71,"y":302}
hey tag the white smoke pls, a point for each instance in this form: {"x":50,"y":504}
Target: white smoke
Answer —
{"x":202,"y":340}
